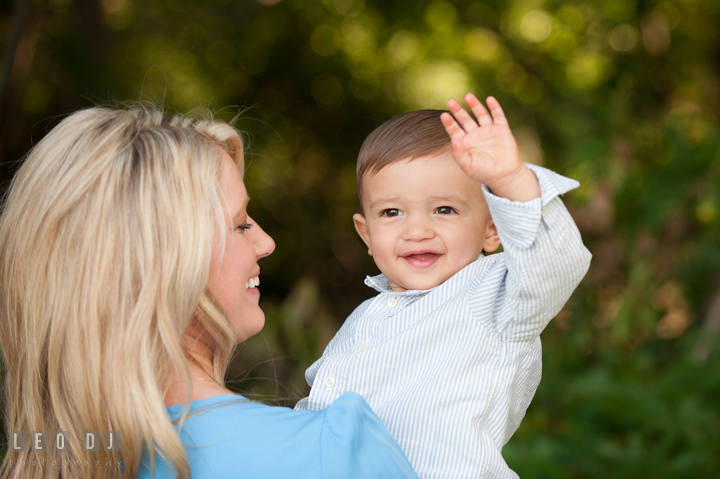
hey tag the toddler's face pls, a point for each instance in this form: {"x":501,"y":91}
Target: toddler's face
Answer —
{"x":424,"y":221}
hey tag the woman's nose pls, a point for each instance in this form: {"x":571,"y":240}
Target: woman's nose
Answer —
{"x":262,"y":242}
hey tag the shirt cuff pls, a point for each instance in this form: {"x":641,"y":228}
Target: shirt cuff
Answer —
{"x":518,"y":222}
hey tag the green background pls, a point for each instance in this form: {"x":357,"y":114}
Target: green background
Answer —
{"x":623,"y":95}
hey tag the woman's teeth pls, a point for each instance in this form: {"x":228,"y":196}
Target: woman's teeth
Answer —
{"x":253,"y":282}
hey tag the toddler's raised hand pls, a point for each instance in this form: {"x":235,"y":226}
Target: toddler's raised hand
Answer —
{"x":486,"y":149}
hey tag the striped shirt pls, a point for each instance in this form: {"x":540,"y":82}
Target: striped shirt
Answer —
{"x":451,"y":370}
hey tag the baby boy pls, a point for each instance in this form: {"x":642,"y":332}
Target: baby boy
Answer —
{"x":448,"y":353}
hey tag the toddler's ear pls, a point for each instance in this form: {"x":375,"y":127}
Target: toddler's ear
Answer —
{"x":492,"y":239}
{"x":362,"y":230}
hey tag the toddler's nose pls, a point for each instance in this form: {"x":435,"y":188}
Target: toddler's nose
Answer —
{"x":418,"y":229}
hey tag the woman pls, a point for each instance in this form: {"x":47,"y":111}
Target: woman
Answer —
{"x":128,"y":272}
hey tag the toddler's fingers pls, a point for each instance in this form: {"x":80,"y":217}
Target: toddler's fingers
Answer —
{"x":462,"y":116}
{"x":451,"y":126}
{"x":462,"y":157}
{"x":498,"y":115}
{"x":483,"y":117}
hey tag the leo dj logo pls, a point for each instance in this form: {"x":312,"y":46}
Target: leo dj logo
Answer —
{"x":40,"y":441}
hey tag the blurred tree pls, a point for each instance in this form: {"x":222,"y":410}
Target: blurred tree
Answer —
{"x":621,"y":94}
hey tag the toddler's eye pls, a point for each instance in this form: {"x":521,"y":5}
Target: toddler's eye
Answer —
{"x":445,"y":210}
{"x":390,"y":212}
{"x":244,"y":227}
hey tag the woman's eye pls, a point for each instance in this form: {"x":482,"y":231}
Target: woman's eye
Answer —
{"x":445,"y":210}
{"x":390,"y":212}
{"x":244,"y":227}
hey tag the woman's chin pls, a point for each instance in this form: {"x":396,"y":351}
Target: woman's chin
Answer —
{"x":251,"y":325}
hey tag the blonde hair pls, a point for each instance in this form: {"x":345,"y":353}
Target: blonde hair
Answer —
{"x":105,"y":245}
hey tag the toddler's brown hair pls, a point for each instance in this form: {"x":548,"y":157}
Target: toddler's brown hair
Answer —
{"x":406,"y":136}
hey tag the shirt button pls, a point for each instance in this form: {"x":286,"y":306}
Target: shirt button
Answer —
{"x":364,"y":346}
{"x":330,"y":382}
{"x":392,"y":301}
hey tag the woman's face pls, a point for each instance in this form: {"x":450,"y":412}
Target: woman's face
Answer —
{"x":233,"y":278}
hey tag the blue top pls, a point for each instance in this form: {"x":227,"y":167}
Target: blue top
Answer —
{"x":252,"y":440}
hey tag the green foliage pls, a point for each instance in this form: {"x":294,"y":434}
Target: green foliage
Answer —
{"x":622,"y":95}
{"x":621,"y":416}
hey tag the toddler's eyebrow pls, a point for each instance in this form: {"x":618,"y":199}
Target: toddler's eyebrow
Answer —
{"x":451,"y":199}
{"x":382,"y":201}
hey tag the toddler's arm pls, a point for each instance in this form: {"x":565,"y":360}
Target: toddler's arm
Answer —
{"x":544,"y":254}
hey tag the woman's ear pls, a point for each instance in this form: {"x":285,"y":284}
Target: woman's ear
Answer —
{"x":492,"y":239}
{"x":362,"y":230}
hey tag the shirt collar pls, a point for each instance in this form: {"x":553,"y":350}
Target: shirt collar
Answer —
{"x":381,"y":284}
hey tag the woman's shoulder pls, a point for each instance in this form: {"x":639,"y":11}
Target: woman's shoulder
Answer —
{"x":234,"y":418}
{"x":229,"y":436}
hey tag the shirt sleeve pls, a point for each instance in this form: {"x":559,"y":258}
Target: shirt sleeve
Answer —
{"x":544,"y":255}
{"x":356,"y":444}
